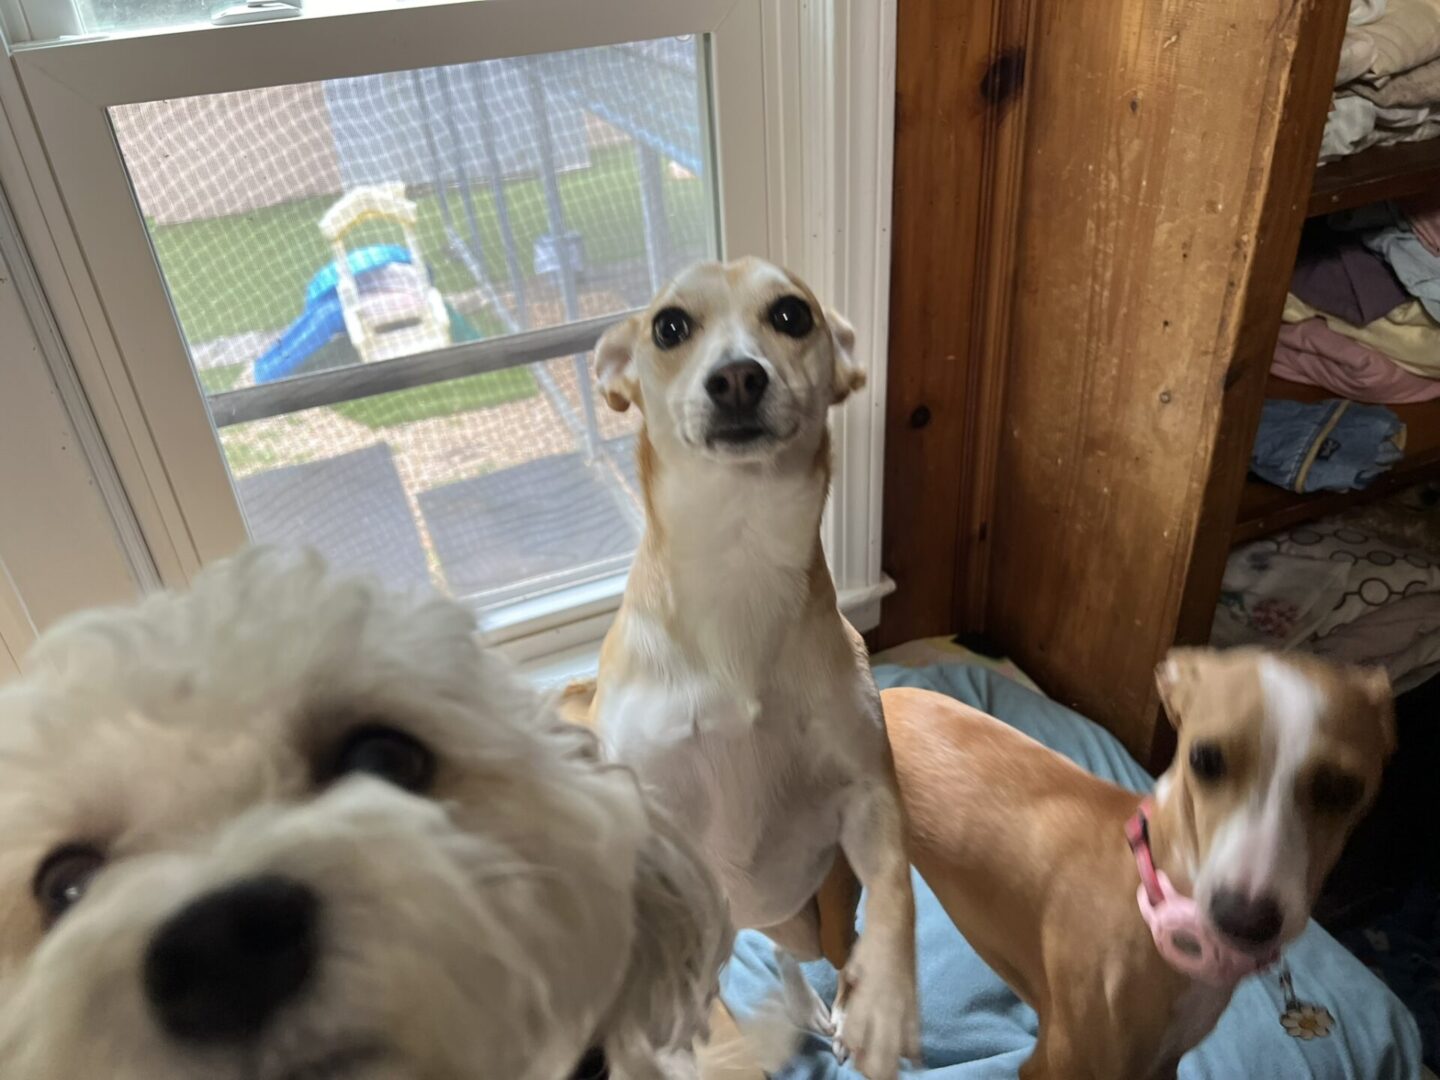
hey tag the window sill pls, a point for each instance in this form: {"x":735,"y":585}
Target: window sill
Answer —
{"x":574,"y":648}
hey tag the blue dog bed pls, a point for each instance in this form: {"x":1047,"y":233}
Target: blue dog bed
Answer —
{"x":975,"y":1028}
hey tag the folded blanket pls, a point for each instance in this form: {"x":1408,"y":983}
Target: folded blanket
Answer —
{"x":1356,"y":123}
{"x":1401,"y":634}
{"x":1336,"y":589}
{"x":1325,"y":445}
{"x":1416,"y":267}
{"x":1364,"y":12}
{"x":1275,"y":599}
{"x":1408,"y":335}
{"x":1375,"y":571}
{"x":1310,"y":352}
{"x":1406,"y":36}
{"x":1357,"y":54}
{"x":1416,"y":88}
{"x":1423,"y":214}
{"x":1350,"y":123}
{"x":1338,"y":274}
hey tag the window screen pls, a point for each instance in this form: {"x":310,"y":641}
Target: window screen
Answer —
{"x":379,"y":241}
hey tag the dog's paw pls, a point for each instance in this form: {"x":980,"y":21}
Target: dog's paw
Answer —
{"x":806,"y":1009}
{"x":876,"y":1022}
{"x":837,"y":1030}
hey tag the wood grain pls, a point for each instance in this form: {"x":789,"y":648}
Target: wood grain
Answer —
{"x":959,"y":94}
{"x":1169,"y":147}
{"x":1000,"y":191}
{"x":1301,"y":93}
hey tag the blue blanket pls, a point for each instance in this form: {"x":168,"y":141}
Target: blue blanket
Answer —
{"x":973,"y":1026}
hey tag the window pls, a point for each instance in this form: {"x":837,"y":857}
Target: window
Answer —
{"x":341,"y":276}
{"x":323,"y":241}
{"x":52,"y":20}
{"x":102,"y":15}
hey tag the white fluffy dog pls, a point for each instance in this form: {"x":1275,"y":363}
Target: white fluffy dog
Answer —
{"x":289,"y":827}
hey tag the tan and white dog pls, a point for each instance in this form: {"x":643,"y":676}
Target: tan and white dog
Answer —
{"x":288,"y":826}
{"x":1030,"y":855}
{"x":730,"y":681}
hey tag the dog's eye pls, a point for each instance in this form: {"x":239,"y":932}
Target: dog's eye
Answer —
{"x":63,"y":877}
{"x":792,"y":316}
{"x":670,"y":328}
{"x":1335,"y":792}
{"x":1206,"y":761}
{"x":386,"y":754}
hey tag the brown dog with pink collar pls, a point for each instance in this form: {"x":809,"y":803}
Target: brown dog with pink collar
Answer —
{"x":1127,"y":924}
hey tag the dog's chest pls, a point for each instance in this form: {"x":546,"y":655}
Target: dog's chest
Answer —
{"x":1195,"y":1013}
{"x":760,"y":798}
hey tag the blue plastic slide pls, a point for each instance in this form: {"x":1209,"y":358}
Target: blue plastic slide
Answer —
{"x":322,"y":318}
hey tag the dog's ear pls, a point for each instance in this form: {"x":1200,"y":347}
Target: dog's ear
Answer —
{"x":684,"y":939}
{"x":1375,"y":683}
{"x":1176,"y":677}
{"x":615,"y":364}
{"x":848,"y":377}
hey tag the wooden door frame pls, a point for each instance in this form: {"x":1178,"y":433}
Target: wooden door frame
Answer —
{"x":959,"y":139}
{"x":1126,"y":448}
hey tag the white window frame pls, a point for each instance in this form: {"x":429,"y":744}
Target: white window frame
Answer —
{"x":38,"y":20}
{"x":817,"y":173}
{"x":67,"y":539}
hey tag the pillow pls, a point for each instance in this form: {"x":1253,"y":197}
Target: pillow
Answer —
{"x":1304,"y":583}
{"x":1403,"y":637}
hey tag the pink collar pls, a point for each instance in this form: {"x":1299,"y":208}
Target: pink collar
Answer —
{"x":1183,"y":935}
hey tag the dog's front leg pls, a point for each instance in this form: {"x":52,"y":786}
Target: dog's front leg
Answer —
{"x":875,"y":1009}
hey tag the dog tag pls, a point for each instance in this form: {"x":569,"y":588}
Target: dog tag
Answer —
{"x":1302,"y":1019}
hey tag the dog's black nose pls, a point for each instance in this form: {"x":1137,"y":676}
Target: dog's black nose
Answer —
{"x":227,"y":962}
{"x":737,"y":386}
{"x":1254,"y":920}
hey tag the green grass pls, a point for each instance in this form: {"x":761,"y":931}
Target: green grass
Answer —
{"x":244,"y":459}
{"x":442,"y":399}
{"x":217,"y":380}
{"x":249,"y":271}
{"x":249,"y":450}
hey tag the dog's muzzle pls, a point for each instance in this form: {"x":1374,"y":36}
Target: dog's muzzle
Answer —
{"x":736,"y":390}
{"x":220,"y":969}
